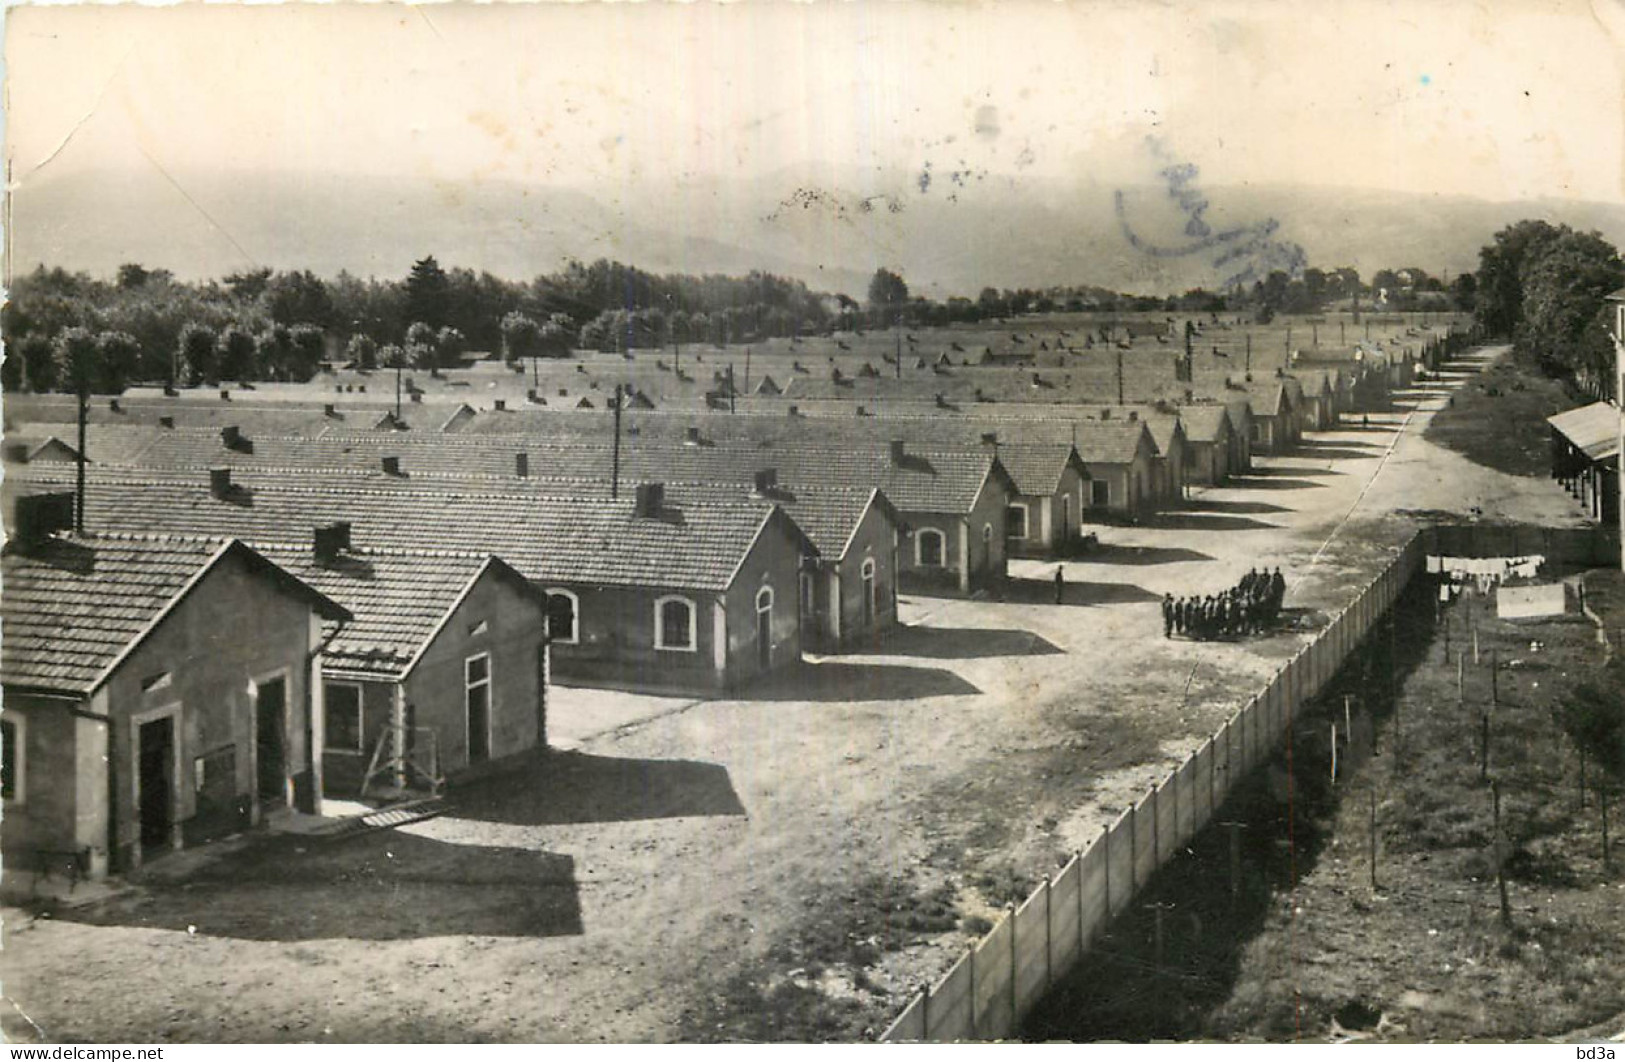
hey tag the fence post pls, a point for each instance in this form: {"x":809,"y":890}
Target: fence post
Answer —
{"x":1213,"y":771}
{"x":1178,"y":773}
{"x":925,"y":1012}
{"x":1134,"y":848}
{"x":1015,"y":996}
{"x":1156,"y":828}
{"x":1049,"y":928}
{"x":974,"y":1035}
{"x":1106,"y":853}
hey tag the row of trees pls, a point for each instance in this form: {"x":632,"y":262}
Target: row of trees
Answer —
{"x":1546,"y":287}
{"x":261,"y":321}
{"x":279,"y":325}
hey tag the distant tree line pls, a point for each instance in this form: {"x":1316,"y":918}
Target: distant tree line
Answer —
{"x":266,"y":324}
{"x":262,"y":324}
{"x":1545,"y":287}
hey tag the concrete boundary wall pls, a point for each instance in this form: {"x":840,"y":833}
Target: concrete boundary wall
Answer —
{"x":994,"y":984}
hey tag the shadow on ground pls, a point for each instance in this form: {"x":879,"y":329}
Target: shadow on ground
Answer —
{"x":1202,"y":521}
{"x":1108,"y":553}
{"x":1338,"y":453}
{"x":849,"y":680}
{"x":382,"y":885}
{"x":1280,"y":471}
{"x":575,"y":787}
{"x":1073,"y":593}
{"x":1280,"y":482}
{"x":962,"y":643}
{"x":1215,"y":505}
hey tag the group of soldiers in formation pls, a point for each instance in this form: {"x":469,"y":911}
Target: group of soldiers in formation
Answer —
{"x":1246,"y":608}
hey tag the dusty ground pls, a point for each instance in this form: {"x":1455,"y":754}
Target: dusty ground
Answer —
{"x":790,"y":866}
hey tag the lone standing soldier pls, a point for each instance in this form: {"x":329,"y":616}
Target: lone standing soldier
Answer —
{"x":1167,"y":615}
{"x":1060,"y":582}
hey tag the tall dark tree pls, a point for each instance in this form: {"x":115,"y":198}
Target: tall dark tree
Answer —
{"x":449,"y":347}
{"x":198,"y":354}
{"x":1566,"y":281}
{"x":308,"y":345}
{"x":275,"y":352}
{"x":427,"y":291}
{"x":521,"y":338}
{"x":76,"y":358}
{"x":298,"y":298}
{"x":117,"y":356}
{"x":38,"y":362}
{"x":1501,"y":267}
{"x":1464,"y":292}
{"x":239,"y":355}
{"x":363,"y":351}
{"x":888,"y":295}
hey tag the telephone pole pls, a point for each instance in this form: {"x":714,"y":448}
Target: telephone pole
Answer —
{"x":615,"y":460}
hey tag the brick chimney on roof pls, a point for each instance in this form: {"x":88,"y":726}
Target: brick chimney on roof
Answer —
{"x":328,"y":541}
{"x":899,"y":451}
{"x":650,"y":500}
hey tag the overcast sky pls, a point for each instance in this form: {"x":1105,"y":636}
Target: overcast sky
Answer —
{"x":1501,"y":101}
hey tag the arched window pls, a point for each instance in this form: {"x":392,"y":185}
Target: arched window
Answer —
{"x":867,"y":574}
{"x":987,"y":534}
{"x":563,"y":613}
{"x":764,"y":627}
{"x":674,"y":624}
{"x":930,"y":546}
{"x":1015,"y":520}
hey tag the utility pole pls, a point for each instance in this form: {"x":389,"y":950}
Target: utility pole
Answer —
{"x":730,"y":387}
{"x":615,"y":460}
{"x":79,"y":462}
{"x":1249,"y":353}
{"x":747,"y":372}
{"x":1235,"y":829}
{"x":1500,"y":862}
{"x":1120,"y":378}
{"x":1371,"y":832}
{"x":398,"y":388}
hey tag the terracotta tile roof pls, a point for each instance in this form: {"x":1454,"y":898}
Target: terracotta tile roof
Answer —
{"x":697,"y":545}
{"x":1205,"y":423}
{"x":74,"y":605}
{"x":399,"y":600}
